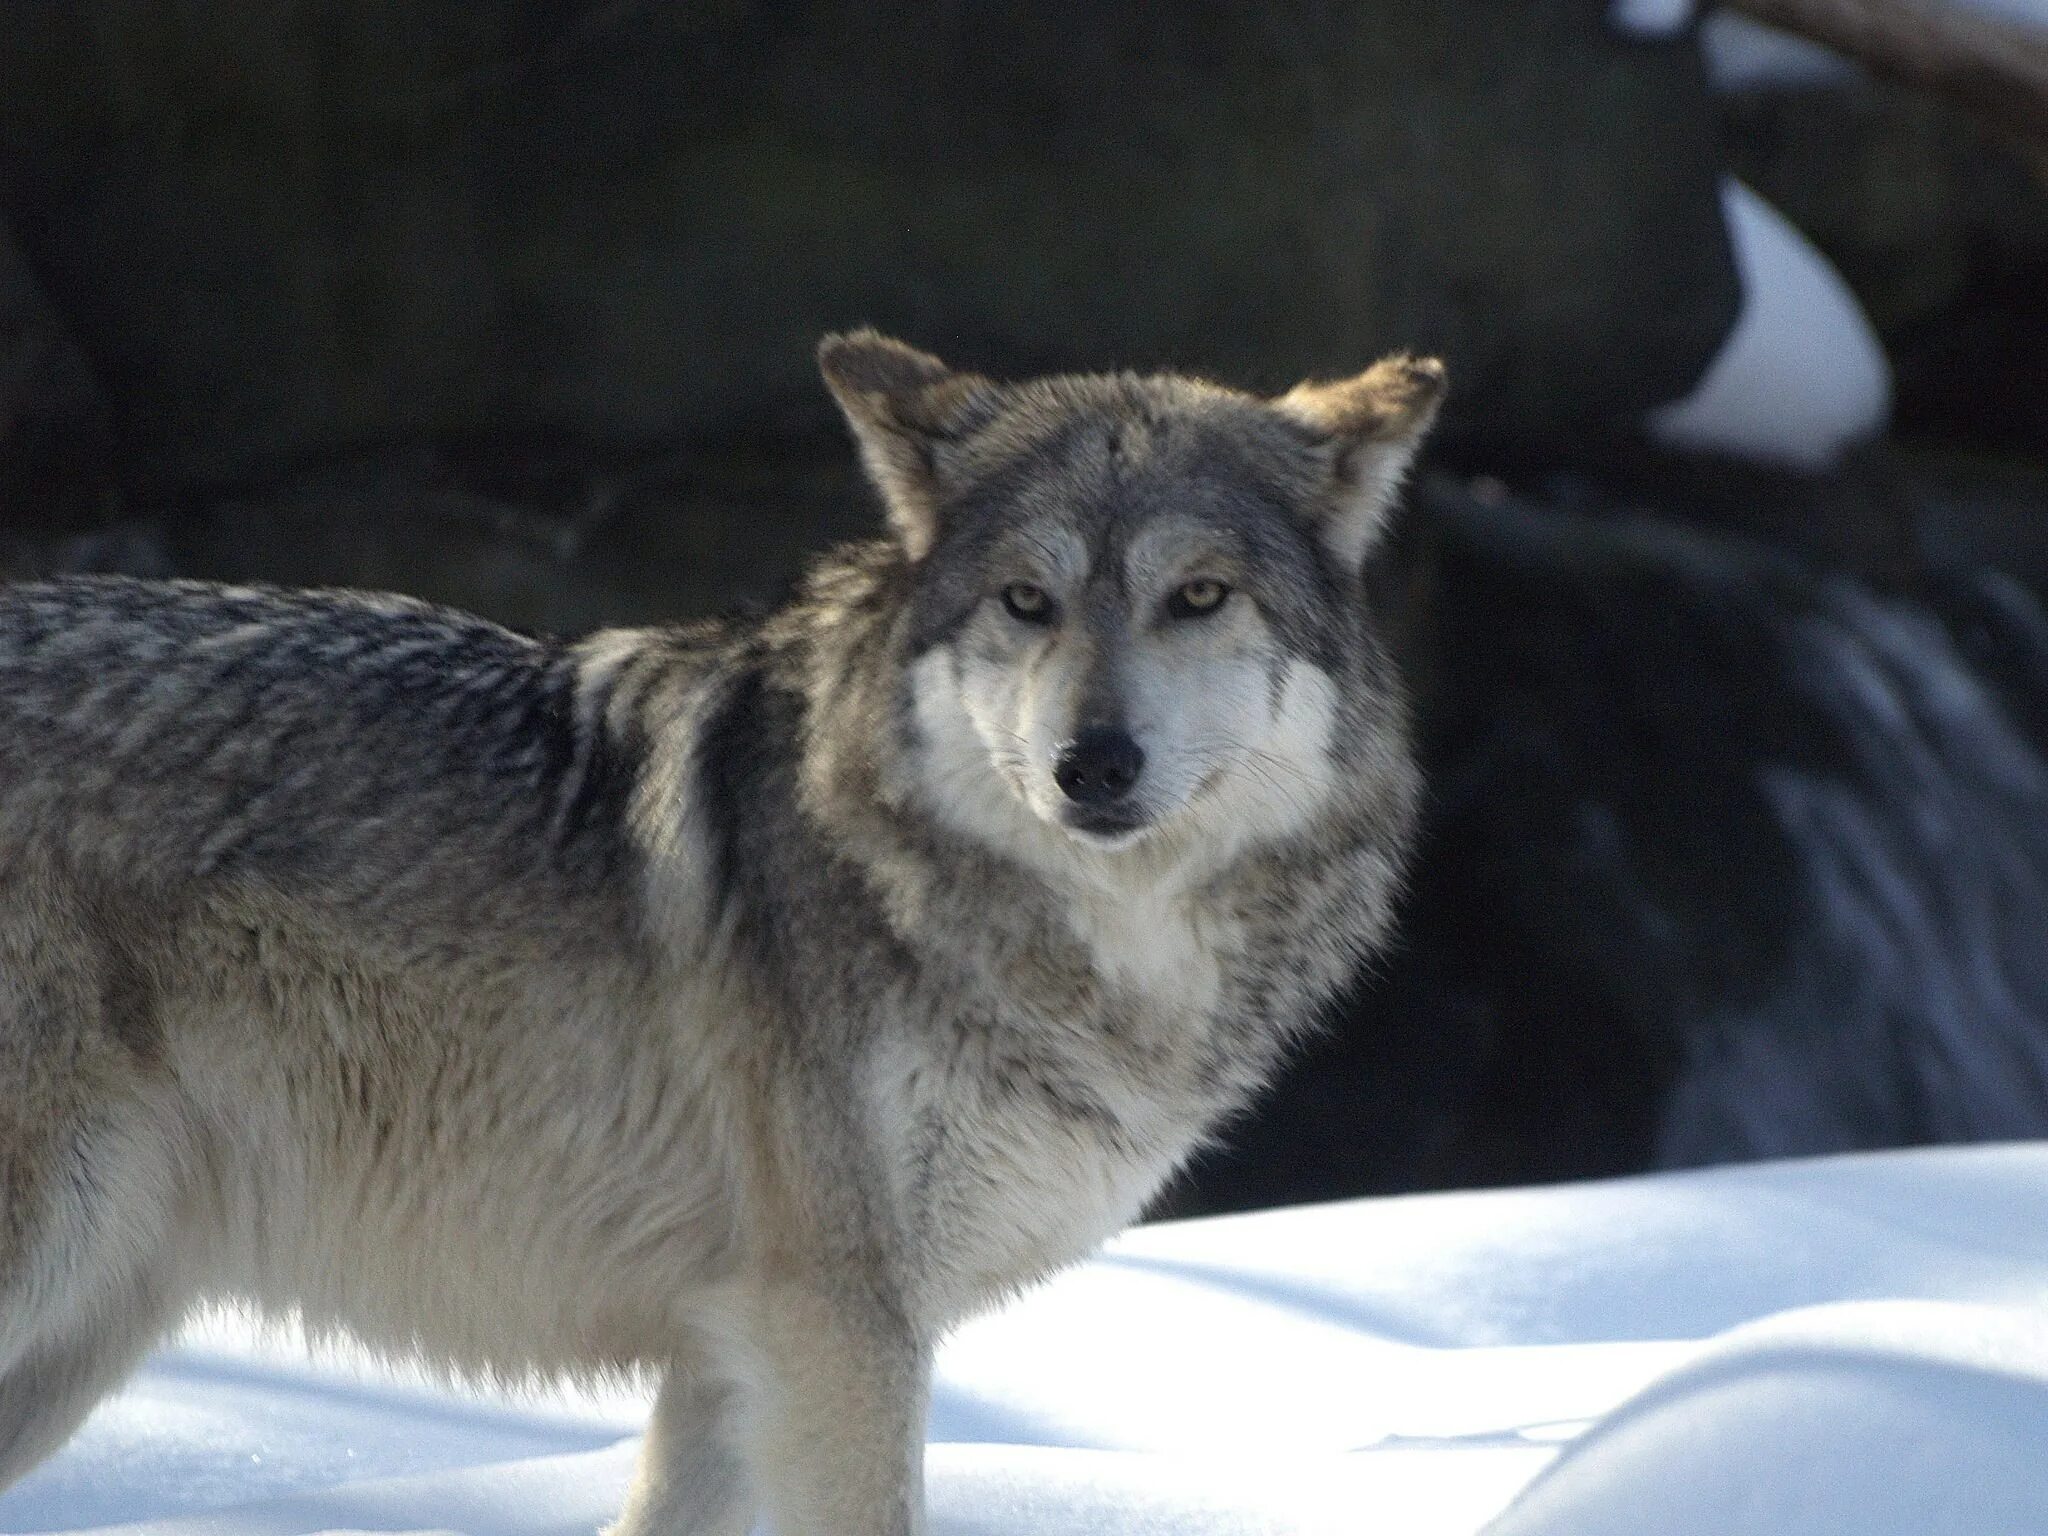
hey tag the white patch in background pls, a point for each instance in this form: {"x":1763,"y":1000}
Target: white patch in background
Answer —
{"x":1650,"y":18}
{"x":1745,"y":55}
{"x":1801,"y":376}
{"x":2026,"y":13}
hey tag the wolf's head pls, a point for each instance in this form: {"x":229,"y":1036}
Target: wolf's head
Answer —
{"x":1136,"y":607}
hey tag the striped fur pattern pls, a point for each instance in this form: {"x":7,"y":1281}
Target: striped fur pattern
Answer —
{"x":739,"y":1002}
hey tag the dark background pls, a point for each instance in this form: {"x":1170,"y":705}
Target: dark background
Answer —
{"x":1738,"y":840}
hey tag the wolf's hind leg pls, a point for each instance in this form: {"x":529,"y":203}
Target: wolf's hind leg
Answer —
{"x":47,"y":1393}
{"x":90,"y":1189}
{"x":86,"y":1287}
{"x":95,"y":1142}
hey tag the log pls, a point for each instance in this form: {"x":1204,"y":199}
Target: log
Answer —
{"x":1997,"y":70}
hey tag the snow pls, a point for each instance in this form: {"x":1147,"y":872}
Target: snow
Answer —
{"x":2022,"y":13}
{"x":1746,"y":55}
{"x":1802,"y":376}
{"x":1885,"y":1417}
{"x":1846,"y":1344}
{"x":1650,"y":18}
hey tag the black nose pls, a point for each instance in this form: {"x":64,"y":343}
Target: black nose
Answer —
{"x":1098,"y":766}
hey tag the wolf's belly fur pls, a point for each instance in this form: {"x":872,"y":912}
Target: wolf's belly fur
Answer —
{"x":505,"y":1183}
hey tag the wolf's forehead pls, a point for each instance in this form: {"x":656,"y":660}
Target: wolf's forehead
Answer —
{"x":1104,"y":477}
{"x":1123,"y":550}
{"x":1056,"y":549}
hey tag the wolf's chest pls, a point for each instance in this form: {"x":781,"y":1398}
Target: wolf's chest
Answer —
{"x":1028,"y":1129}
{"x":1007,"y":1182}
{"x":1155,"y":947}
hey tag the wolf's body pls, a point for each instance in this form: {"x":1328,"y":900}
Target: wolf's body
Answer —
{"x":740,"y":1001}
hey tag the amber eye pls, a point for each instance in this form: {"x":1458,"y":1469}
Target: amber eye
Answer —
{"x":1029,"y":603}
{"x":1193,"y":599}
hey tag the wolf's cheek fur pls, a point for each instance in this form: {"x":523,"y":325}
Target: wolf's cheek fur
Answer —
{"x":1021,"y":694}
{"x":1246,"y":744}
{"x":1010,"y":693}
{"x":1287,"y":780}
{"x":969,"y":763}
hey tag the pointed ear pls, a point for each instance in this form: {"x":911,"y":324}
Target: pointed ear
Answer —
{"x":902,"y":405}
{"x":1374,"y":423}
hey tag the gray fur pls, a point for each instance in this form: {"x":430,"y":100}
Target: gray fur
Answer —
{"x":698,"y":999}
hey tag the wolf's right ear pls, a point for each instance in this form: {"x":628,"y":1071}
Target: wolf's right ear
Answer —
{"x":902,"y":405}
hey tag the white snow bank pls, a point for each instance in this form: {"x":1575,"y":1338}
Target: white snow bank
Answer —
{"x":1866,"y":1419}
{"x":1802,"y":375}
{"x":1843,"y":1344}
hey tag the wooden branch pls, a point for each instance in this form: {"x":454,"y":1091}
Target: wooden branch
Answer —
{"x":1993,"y":68}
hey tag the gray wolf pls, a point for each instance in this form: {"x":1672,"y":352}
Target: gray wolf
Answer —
{"x":744,"y":1002}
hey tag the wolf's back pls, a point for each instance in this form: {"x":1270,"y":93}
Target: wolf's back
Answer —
{"x":355,"y":750}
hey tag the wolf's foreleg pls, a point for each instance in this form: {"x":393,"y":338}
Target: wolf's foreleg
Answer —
{"x":837,"y":1438}
{"x":691,"y":1481}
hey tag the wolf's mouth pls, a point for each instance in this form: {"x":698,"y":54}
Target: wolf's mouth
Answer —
{"x":1112,"y":827}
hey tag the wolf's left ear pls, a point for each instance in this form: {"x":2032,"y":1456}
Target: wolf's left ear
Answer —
{"x":903,"y":405}
{"x":1373,"y":423}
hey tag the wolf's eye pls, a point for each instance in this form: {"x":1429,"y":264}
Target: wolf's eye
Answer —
{"x":1193,"y":599}
{"x":1031,"y":604}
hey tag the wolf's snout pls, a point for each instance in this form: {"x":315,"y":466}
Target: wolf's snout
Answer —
{"x":1099,"y":766}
